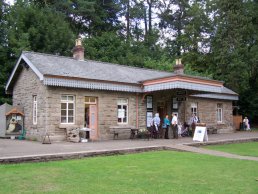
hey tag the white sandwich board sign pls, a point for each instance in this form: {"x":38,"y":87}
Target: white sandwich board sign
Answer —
{"x":200,"y":134}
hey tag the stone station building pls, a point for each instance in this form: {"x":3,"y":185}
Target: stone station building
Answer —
{"x":58,"y":92}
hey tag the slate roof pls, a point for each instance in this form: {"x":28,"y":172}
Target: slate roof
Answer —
{"x":69,"y":67}
{"x":62,"y":71}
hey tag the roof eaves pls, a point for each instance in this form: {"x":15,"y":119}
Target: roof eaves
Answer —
{"x":40,"y":75}
{"x":88,"y":79}
{"x":13,"y":72}
{"x":184,"y":75}
{"x":22,"y":56}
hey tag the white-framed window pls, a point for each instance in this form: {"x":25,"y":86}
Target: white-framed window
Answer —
{"x":34,"y":110}
{"x":67,"y":109}
{"x":219,"y":112}
{"x":194,"y":108}
{"x":122,"y":111}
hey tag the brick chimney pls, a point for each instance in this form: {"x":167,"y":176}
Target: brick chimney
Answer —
{"x":179,"y":67}
{"x":78,"y":50}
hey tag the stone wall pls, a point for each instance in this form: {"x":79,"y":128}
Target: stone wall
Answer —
{"x":49,"y":109}
{"x":207,"y":112}
{"x":107,"y":111}
{"x":27,"y":85}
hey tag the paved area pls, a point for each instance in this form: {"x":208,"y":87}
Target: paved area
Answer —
{"x":20,"y":150}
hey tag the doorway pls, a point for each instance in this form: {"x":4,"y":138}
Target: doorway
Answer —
{"x":161,"y":109}
{"x":91,"y":117}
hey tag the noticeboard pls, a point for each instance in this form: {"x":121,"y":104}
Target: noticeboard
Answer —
{"x":149,"y":102}
{"x":181,"y":92}
{"x":149,"y":119}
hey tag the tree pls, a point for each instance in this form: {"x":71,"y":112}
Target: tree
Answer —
{"x":25,"y":26}
{"x":4,"y":51}
{"x":173,"y":19}
{"x":196,"y":36}
{"x":228,"y":43}
{"x":39,"y":30}
{"x":79,"y":13}
{"x":88,"y":17}
{"x":249,"y":94}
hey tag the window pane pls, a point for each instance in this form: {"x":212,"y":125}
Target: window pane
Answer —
{"x":70,"y":112}
{"x":70,"y":98}
{"x":64,"y":98}
{"x":92,"y":99}
{"x":87,"y":99}
{"x":219,"y":115}
{"x":63,"y":113}
{"x":125,"y":108}
{"x":122,"y":101}
{"x":63,"y":119}
{"x":63,"y":106}
{"x":219,"y":105}
{"x":122,"y":106}
{"x":70,"y":106}
{"x":70,"y":119}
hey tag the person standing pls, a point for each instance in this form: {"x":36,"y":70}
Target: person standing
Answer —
{"x":156,"y":122}
{"x":166,"y":123}
{"x":174,"y":126}
{"x":193,"y":121}
{"x":246,"y":123}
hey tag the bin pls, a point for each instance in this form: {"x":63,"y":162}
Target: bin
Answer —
{"x":242,"y":126}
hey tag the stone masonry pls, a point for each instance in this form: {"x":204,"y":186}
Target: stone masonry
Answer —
{"x":28,"y":85}
{"x":49,"y":109}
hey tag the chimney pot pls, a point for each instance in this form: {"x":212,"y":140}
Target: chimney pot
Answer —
{"x":78,"y":50}
{"x":179,"y":67}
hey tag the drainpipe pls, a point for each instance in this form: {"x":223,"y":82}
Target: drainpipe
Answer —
{"x":137,"y":111}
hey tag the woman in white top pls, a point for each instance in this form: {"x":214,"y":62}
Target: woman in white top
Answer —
{"x":174,"y":123}
{"x":246,"y":123}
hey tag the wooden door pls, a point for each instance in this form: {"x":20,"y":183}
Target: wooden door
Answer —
{"x":161,"y":108}
{"x":93,"y":114}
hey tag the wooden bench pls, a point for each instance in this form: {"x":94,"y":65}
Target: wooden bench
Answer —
{"x":120,"y":132}
{"x":212,"y":130}
{"x":115,"y":133}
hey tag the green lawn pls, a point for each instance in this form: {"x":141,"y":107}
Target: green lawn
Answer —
{"x":244,"y":149}
{"x":150,"y":172}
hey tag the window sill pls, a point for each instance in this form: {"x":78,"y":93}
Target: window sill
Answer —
{"x":65,"y":125}
{"x":122,"y":124}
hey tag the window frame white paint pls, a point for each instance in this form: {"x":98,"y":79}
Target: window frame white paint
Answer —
{"x":35,"y":110}
{"x":67,"y":102}
{"x":194,"y":108}
{"x":123,"y":102}
{"x":219,"y":112}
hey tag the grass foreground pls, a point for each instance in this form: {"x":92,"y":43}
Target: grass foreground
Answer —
{"x":244,"y":149}
{"x":150,"y":172}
